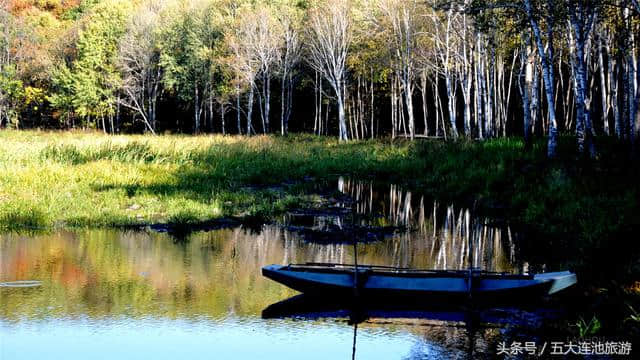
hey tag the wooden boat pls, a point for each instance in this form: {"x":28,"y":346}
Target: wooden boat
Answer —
{"x":382,"y":281}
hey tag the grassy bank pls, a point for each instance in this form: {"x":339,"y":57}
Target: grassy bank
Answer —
{"x":576,"y":213}
{"x":62,"y":179}
{"x":76,"y":179}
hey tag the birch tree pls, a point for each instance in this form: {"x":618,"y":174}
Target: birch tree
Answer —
{"x":263,"y":37}
{"x":243,"y":61}
{"x":444,"y":62}
{"x":139,"y":63}
{"x":581,"y":19}
{"x":403,"y":17}
{"x":604,"y":69}
{"x":546,"y":58}
{"x":526,"y":79}
{"x":633,"y":60}
{"x":290,"y":57}
{"x":329,"y":39}
{"x":465,"y":68}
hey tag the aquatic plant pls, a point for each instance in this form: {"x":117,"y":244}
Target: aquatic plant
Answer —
{"x":587,"y":328}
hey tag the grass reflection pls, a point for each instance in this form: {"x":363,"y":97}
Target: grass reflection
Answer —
{"x":214,"y":274}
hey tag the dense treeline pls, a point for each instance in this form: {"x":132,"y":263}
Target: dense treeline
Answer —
{"x":355,"y":68}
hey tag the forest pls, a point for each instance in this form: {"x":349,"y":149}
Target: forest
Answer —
{"x":354,"y":69}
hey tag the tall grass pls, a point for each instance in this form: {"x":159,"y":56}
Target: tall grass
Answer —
{"x":87,"y":179}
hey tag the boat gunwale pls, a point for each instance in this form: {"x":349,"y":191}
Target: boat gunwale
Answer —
{"x":381,"y":270}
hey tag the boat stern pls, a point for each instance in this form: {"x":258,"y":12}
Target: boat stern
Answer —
{"x":559,"y":280}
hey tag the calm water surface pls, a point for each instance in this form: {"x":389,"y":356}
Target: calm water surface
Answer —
{"x":121,"y":294}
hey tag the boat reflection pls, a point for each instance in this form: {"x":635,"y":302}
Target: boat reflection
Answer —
{"x":359,"y":310}
{"x":464,"y":330}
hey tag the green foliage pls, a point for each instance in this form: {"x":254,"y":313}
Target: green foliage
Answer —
{"x":12,"y":94}
{"x":634,"y":316}
{"x":86,"y":87}
{"x":587,"y":328}
{"x":188,"y":48}
{"x":76,"y":12}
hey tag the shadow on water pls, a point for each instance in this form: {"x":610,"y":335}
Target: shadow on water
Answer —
{"x":471,"y":331}
{"x":303,"y":306}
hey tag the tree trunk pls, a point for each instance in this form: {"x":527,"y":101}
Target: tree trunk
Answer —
{"x":535,"y":99}
{"x":394,"y":113}
{"x":423,"y":91}
{"x":326,"y":119}
{"x":222,"y":111}
{"x":479,"y":113}
{"x":289,"y":107}
{"x":439,"y":112}
{"x":196,"y":108}
{"x":547,"y":72}
{"x":372,"y":128}
{"x":282,"y":102}
{"x":316,"y":116}
{"x":250,"y":110}
{"x":117,"y":125}
{"x":318,"y":88}
{"x":506,"y":107}
{"x":483,"y":133}
{"x":341,"y":117}
{"x":408,"y":99}
{"x":210,"y":125}
{"x":466,"y":83}
{"x":603,"y":84}
{"x":583,"y":116}
{"x":528,"y":59}
{"x":451,"y":101}
{"x":238,"y":109}
{"x":489,"y":93}
{"x":267,"y":102}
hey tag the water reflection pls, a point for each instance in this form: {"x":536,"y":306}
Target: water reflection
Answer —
{"x":458,"y":330}
{"x":107,"y":287}
{"x":429,"y":234}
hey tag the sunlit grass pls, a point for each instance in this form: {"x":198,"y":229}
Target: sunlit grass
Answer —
{"x":62,"y":179}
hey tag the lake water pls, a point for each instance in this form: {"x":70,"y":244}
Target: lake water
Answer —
{"x":106,"y":294}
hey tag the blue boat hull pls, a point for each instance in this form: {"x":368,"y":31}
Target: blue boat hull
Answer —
{"x":372,"y":282}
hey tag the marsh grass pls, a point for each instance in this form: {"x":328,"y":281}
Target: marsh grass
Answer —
{"x":76,"y":179}
{"x":55,"y":179}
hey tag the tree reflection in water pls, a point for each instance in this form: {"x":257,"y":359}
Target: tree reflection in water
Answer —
{"x":216,"y":274}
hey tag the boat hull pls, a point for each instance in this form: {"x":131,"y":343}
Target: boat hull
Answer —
{"x":415,"y":284}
